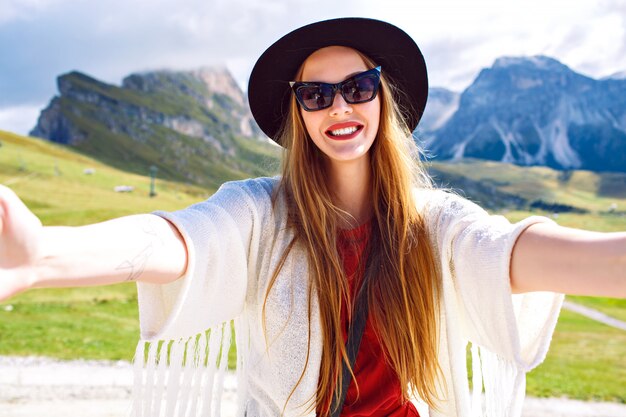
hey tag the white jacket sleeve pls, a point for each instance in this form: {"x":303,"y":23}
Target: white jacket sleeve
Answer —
{"x":477,"y":249}
{"x":512,"y":333}
{"x":222,"y":235}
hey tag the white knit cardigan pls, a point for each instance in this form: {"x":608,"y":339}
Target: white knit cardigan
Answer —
{"x":235,"y":240}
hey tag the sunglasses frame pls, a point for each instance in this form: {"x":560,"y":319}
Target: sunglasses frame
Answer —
{"x":296,"y":85}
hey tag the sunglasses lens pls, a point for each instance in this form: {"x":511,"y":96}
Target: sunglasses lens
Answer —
{"x":314,"y":97}
{"x":360,"y":89}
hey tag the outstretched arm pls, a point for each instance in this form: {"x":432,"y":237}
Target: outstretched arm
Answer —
{"x":134,"y":248}
{"x":548,"y":257}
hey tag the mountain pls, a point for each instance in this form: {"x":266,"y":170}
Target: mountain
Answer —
{"x":194,"y":126}
{"x":442,"y":104}
{"x":535,"y":111}
{"x":620,"y":75}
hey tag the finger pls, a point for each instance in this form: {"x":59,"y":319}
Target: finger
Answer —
{"x":11,"y":205}
{"x":2,"y":212}
{"x":8,"y":286}
{"x":6,"y":194}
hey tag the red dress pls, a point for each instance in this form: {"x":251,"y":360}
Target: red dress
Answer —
{"x":380,"y":393}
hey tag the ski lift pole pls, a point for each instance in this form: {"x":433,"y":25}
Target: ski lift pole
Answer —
{"x":153,"y":172}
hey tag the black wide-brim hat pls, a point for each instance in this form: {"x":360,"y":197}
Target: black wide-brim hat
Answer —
{"x":387,"y":45}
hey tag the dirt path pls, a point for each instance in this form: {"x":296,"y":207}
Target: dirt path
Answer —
{"x":38,"y":386}
{"x":594,"y":315}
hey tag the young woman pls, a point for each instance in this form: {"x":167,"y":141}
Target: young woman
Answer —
{"x":347,"y":276}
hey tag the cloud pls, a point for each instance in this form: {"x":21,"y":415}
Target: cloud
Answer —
{"x":596,"y":46}
{"x":11,"y":10}
{"x":19,"y":119}
{"x":111,"y":39}
{"x":451,"y":63}
{"x":40,"y":39}
{"x":108,"y":40}
{"x":460,"y":37}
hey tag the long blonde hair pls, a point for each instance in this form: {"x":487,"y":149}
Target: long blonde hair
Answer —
{"x":405,"y":286}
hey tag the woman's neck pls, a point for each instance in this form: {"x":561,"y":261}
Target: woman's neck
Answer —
{"x":351,"y":183}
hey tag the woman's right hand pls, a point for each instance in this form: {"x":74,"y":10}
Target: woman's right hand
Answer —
{"x":141,"y":247}
{"x":20,"y":241}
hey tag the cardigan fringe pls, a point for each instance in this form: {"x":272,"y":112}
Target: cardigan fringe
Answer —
{"x":173,"y":377}
{"x":188,"y":369}
{"x":502,"y":380}
{"x":477,"y":382}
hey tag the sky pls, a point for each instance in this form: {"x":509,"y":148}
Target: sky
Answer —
{"x":41,"y":39}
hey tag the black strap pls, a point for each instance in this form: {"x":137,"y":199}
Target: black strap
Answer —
{"x":355,"y":334}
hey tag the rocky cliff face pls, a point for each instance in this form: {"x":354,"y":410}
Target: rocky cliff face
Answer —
{"x":194,"y":126}
{"x":536,"y":111}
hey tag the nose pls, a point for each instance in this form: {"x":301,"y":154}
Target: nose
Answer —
{"x":340,"y":106}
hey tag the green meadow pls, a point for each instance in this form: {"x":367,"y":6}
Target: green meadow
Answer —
{"x":587,"y":360}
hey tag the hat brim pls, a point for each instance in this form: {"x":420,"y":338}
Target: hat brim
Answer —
{"x":387,"y":45}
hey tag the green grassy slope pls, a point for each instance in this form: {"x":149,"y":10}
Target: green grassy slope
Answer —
{"x":51,"y":180}
{"x":585,"y":189}
{"x":586,"y":360}
{"x":511,"y":190}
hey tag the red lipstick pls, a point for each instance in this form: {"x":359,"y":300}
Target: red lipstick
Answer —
{"x":344,"y":131}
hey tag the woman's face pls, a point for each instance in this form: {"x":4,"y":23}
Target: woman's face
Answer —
{"x":333,"y":129}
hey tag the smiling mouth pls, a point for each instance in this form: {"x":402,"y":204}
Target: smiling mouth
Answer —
{"x":345,"y":132}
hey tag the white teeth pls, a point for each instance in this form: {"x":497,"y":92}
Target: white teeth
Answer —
{"x":344,"y":131}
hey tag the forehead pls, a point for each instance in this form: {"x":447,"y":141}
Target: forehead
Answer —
{"x":332,"y":64}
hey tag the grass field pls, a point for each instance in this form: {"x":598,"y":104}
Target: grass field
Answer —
{"x":587,"y":360}
{"x":52,"y":182}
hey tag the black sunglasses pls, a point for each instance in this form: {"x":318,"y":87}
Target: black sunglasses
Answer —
{"x":359,"y":88}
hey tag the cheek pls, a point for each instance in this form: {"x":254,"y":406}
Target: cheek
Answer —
{"x":374,"y":115}
{"x":310,"y":122}
{"x":305,"y":119}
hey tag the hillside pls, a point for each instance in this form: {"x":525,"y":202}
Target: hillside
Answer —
{"x":51,"y":179}
{"x":194,"y":126}
{"x":501,"y":185}
{"x":582,"y":199}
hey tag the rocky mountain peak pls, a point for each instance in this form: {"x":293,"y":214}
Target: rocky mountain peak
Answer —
{"x":219,"y":80}
{"x":67,"y":82}
{"x":186,"y":123}
{"x":537,"y":62}
{"x":620,"y":75}
{"x":537,"y":111}
{"x":201,"y":83}
{"x":525,"y":75}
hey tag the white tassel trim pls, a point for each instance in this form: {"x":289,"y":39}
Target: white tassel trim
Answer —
{"x":477,"y":383}
{"x":503,"y":382}
{"x":181,"y":378}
